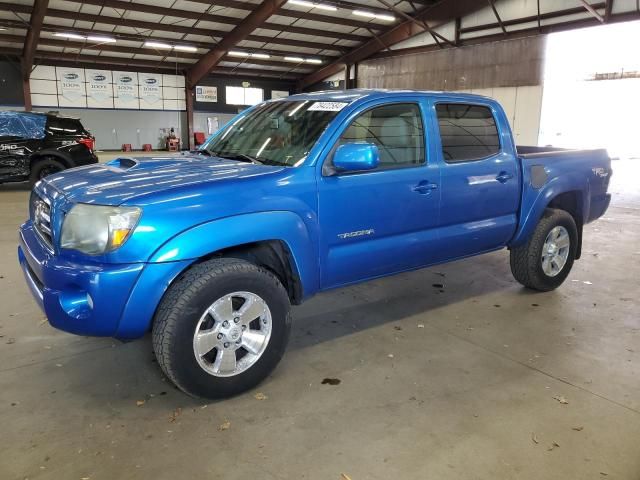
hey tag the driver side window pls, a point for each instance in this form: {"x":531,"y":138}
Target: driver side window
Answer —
{"x":395,"y":129}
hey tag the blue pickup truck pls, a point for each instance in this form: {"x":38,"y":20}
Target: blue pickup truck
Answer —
{"x":208,"y":250}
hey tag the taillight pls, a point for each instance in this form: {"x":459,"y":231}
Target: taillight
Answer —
{"x":87,"y":142}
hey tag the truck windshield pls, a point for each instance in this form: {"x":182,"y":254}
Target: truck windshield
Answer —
{"x":276,"y":133}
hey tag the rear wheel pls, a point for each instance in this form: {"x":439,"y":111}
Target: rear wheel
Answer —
{"x":221,"y":328}
{"x":43,"y":168}
{"x":545,"y":261}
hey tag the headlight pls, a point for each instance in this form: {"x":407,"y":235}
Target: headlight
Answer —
{"x":96,"y":229}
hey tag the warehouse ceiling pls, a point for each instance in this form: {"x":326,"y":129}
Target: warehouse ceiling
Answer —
{"x":292,"y":42}
{"x":289,"y":39}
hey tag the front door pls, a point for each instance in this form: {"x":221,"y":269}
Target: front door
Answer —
{"x":381,"y":221}
{"x":14,"y":156}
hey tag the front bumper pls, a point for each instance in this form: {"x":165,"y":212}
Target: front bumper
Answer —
{"x":112,"y":300}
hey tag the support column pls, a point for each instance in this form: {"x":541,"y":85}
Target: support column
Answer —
{"x":189,"y":101}
{"x":355,"y":76}
{"x":26,"y":91}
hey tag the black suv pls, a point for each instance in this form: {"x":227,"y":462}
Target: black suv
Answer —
{"x":34,"y":145}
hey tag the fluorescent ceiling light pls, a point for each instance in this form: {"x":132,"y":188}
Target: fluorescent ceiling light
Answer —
{"x":98,"y":38}
{"x":294,"y":59}
{"x":237,"y":53}
{"x":324,"y":6}
{"x":378,"y":16}
{"x":165,"y":46}
{"x":320,"y":6}
{"x":69,"y":35}
{"x":302,"y":3}
{"x":185,"y":48}
{"x":313,"y":60}
{"x":362,"y":13}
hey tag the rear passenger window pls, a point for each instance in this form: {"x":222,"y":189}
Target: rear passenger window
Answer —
{"x":467,"y":132}
{"x":395,"y":129}
{"x":65,"y":126}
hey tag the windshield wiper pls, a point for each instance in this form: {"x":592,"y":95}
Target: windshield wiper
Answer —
{"x":242,"y":157}
{"x":201,"y":151}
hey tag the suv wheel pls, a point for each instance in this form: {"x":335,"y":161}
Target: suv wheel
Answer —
{"x":221,"y":328}
{"x":43,"y":168}
{"x":545,"y":261}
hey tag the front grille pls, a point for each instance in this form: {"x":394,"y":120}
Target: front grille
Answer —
{"x":40,"y":211}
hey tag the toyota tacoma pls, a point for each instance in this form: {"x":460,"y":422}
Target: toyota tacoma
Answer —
{"x":293,"y":197}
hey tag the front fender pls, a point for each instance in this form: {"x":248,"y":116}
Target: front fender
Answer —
{"x":535,"y":201}
{"x":210,"y":237}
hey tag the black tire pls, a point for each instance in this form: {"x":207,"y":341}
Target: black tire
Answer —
{"x":182,"y":307}
{"x":526,"y":260}
{"x":43,"y":167}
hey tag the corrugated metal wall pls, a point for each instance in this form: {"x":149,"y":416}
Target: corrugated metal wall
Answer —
{"x":510,"y":71}
{"x":509,"y":63}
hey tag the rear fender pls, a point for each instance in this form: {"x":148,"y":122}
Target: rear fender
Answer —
{"x":208,"y":238}
{"x":535,"y":201}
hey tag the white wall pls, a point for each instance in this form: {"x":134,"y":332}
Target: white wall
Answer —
{"x":99,"y":88}
{"x":200,"y":120}
{"x":112,"y":128}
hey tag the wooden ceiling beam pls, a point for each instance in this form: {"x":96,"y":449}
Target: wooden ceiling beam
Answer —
{"x":251,"y":22}
{"x":33,"y":35}
{"x":152,"y":26}
{"x":223,"y":19}
{"x":117,"y":63}
{"x":110,"y":48}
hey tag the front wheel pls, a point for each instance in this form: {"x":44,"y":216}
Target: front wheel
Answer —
{"x":545,"y":261}
{"x":221,"y":328}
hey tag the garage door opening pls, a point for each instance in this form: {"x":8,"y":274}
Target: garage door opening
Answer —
{"x":592,"y":89}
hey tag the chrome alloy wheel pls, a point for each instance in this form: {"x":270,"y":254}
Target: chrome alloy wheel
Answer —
{"x":232,"y":334}
{"x":555,"y":251}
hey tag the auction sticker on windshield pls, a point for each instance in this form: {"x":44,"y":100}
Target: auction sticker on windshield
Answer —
{"x":327,"y":106}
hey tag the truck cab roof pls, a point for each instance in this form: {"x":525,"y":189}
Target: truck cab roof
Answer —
{"x":350,"y":96}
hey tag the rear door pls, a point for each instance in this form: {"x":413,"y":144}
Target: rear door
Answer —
{"x":480,"y":177}
{"x":380,"y":221}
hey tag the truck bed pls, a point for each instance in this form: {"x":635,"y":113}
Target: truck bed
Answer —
{"x":572,"y":167}
{"x":528,"y":151}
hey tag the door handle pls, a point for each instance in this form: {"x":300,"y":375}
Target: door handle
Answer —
{"x":425,"y":187}
{"x":503,"y":177}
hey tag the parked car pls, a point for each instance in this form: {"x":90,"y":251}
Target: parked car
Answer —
{"x":34,"y":145}
{"x":293,"y":197}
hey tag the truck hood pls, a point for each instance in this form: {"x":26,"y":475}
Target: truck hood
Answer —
{"x":125,"y":179}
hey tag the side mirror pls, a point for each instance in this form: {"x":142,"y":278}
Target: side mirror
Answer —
{"x":351,"y":157}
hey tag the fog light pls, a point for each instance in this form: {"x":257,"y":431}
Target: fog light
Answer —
{"x":76,"y":303}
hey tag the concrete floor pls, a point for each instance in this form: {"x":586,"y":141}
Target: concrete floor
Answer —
{"x":460,"y":384}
